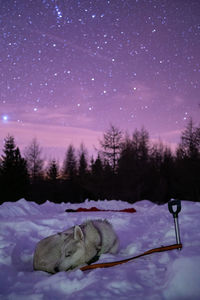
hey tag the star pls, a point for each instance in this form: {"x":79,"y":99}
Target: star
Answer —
{"x":92,"y":63}
{"x":5,"y":118}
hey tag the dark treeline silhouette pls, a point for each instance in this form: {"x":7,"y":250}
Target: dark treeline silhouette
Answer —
{"x":127,"y":167}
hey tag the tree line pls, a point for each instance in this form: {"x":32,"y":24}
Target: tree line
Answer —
{"x":128,"y":168}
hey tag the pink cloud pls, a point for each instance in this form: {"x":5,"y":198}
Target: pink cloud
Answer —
{"x":53,"y":139}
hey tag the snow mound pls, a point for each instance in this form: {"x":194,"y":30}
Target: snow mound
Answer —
{"x":185,"y":279}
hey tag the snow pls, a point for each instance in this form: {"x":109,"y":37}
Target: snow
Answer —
{"x":171,"y":275}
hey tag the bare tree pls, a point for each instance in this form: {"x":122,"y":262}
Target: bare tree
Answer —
{"x":190,"y":141}
{"x":34,"y":161}
{"x":140,"y":142}
{"x":111,"y":144}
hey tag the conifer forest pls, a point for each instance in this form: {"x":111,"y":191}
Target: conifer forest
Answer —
{"x":126,"y":167}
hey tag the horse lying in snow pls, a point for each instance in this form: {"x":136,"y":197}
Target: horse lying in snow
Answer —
{"x":75,"y":247}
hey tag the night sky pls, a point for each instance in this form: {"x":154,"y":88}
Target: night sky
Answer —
{"x":70,"y":68}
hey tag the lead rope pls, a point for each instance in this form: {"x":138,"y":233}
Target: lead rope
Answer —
{"x":174,"y":207}
{"x":119,"y":262}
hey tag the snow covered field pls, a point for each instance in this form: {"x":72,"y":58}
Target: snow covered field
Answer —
{"x":168,"y":275}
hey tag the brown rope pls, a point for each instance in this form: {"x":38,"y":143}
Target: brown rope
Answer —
{"x":119,"y":262}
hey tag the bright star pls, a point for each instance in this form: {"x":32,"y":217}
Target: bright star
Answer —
{"x":5,"y":118}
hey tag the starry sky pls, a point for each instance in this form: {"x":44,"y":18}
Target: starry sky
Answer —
{"x":69,"y":69}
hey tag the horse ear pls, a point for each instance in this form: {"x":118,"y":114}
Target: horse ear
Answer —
{"x":78,"y":233}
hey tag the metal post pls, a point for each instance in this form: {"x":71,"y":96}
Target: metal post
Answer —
{"x":178,"y":239}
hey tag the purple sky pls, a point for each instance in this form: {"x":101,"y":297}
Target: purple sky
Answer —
{"x":70,"y":68}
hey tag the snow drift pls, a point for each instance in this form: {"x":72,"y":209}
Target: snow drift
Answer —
{"x":168,"y":275}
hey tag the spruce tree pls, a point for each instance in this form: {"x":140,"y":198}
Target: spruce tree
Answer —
{"x":83,"y":165}
{"x":14,"y":175}
{"x":53,"y":170}
{"x":70,"y":164}
{"x":188,"y":162}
